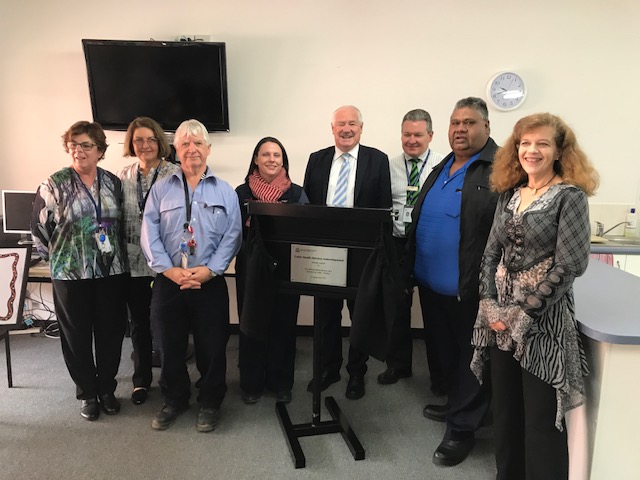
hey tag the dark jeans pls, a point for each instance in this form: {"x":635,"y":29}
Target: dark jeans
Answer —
{"x":205,"y":312}
{"x":91,"y":312}
{"x":452,"y":322}
{"x":528,"y":444}
{"x":139,"y":302}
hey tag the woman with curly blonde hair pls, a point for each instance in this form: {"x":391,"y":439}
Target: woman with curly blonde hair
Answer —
{"x":539,"y":243}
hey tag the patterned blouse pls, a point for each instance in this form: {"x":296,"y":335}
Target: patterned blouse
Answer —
{"x":129,"y":177}
{"x":65,"y":226}
{"x":526,"y":281}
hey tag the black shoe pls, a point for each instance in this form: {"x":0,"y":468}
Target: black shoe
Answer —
{"x":109,"y":404}
{"x":326,"y":379}
{"x":435,"y":412}
{"x":167,"y":416}
{"x":452,"y":452}
{"x":355,"y":388}
{"x":90,"y":409}
{"x":207,"y":419}
{"x":250,"y":398}
{"x":392,"y":375}
{"x":139,"y":395}
{"x":283,"y":396}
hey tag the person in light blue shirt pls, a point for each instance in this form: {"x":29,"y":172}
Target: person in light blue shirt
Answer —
{"x":191,"y":230}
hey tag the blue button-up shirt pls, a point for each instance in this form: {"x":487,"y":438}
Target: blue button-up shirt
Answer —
{"x":438,"y":232}
{"x":215,"y":218}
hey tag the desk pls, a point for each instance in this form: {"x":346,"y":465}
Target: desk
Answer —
{"x":609,"y":320}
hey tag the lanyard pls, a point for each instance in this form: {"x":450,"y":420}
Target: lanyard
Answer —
{"x":421,"y":168}
{"x":187,"y":201}
{"x":98,"y":206}
{"x":143,"y":201}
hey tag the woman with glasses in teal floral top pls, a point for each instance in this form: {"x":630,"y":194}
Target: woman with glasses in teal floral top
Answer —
{"x":147,"y":142}
{"x":77,"y":227}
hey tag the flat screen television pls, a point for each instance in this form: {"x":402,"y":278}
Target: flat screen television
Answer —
{"x":167,"y":81}
{"x":17,"y":209}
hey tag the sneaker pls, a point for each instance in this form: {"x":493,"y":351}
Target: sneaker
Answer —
{"x":207,"y":419}
{"x":167,"y":416}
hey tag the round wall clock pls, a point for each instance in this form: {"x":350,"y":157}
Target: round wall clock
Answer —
{"x":506,"y":91}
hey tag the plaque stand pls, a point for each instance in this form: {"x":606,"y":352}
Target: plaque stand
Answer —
{"x":358,"y":229}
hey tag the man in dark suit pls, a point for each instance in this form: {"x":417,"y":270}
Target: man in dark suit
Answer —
{"x":345,"y":175}
{"x":452,"y":219}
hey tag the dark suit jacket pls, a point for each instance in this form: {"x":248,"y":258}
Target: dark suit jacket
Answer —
{"x":373,"y":314}
{"x":373,"y":182}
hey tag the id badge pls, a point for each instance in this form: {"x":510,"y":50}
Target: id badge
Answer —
{"x":406,"y":213}
{"x":102,"y":240}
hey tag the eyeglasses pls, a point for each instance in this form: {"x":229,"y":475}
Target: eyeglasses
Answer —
{"x":139,"y":142}
{"x":85,"y":146}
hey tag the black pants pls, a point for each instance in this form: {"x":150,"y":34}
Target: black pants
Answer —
{"x":452,"y":322}
{"x":439,"y":380}
{"x":91,"y":312}
{"x":330,"y":311}
{"x":271,"y":364}
{"x":205,"y":312}
{"x":400,"y":353}
{"x":528,"y":444}
{"x":139,"y":302}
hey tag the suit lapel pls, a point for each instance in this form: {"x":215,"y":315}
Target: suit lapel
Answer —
{"x":363,"y":157}
{"x":325,"y":165}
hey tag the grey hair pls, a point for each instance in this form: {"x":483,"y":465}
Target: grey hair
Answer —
{"x":475,"y":103}
{"x":333,"y":116}
{"x":419,"y":115}
{"x":191,"y":128}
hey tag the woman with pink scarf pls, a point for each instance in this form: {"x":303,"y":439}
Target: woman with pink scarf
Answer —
{"x":268,"y":364}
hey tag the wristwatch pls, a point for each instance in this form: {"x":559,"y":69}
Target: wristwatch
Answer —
{"x":211,"y":274}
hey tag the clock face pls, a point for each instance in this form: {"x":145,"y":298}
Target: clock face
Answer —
{"x":506,"y":91}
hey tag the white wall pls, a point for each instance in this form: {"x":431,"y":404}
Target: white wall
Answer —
{"x":292,"y":62}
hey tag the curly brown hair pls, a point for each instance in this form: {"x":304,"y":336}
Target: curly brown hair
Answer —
{"x":93,"y":129}
{"x":573,"y":165}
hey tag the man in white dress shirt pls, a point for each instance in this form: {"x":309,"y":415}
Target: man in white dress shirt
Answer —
{"x":408,"y":172}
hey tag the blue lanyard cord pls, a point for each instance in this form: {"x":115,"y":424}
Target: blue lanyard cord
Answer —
{"x":142,"y":201}
{"x":97,"y":206}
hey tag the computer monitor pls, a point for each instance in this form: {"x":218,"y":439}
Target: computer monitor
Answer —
{"x":17,"y":208}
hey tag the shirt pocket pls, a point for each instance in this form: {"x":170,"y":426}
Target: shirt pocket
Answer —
{"x":172,"y":214}
{"x":214,"y":219}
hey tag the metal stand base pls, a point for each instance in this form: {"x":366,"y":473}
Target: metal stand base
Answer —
{"x":339,"y":424}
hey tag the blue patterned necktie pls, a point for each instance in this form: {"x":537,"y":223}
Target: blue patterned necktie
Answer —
{"x":340,"y":196}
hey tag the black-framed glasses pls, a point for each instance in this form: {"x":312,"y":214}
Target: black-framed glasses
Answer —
{"x":85,"y":146}
{"x":139,"y":142}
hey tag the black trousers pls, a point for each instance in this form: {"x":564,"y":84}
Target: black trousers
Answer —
{"x":330,"y":311}
{"x":205,"y":312}
{"x":452,"y":322}
{"x":436,"y":372}
{"x":400,"y":351}
{"x":528,"y":444}
{"x":91,"y":312}
{"x":139,"y":302}
{"x":271,"y":364}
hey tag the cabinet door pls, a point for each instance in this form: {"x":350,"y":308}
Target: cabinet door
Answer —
{"x":633,"y":265}
{"x":620,"y":261}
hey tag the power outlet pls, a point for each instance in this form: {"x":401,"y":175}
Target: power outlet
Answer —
{"x":193,"y":38}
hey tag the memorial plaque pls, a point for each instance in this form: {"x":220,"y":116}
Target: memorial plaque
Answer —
{"x":319,"y":265}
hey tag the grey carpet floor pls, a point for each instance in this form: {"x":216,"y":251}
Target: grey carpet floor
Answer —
{"x":42,"y":435}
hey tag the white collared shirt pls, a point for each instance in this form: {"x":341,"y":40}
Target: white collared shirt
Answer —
{"x":398,"y":167}
{"x":335,"y":173}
